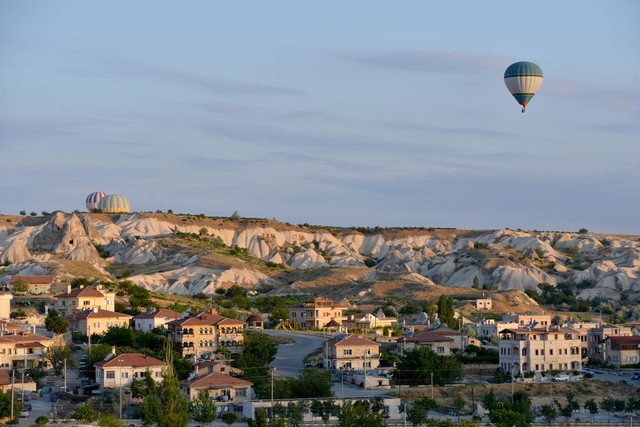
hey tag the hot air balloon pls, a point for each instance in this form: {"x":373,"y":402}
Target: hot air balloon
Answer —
{"x":114,"y":203}
{"x":93,"y":199}
{"x":523,"y":79}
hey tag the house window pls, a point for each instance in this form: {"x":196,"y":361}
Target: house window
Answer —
{"x":241,"y":392}
{"x":550,"y":352}
{"x":158,"y":374}
{"x":347,"y":352}
{"x":440,"y":350}
{"x":111,"y":375}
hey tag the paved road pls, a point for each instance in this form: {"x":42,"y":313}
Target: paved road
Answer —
{"x":289,"y":362}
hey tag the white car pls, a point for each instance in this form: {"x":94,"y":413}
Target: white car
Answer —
{"x":561,"y":378}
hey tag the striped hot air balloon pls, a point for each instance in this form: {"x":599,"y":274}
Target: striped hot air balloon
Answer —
{"x":114,"y":203}
{"x":523,"y":79}
{"x":93,"y":199}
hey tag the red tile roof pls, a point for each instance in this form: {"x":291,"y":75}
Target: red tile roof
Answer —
{"x":205,"y":318}
{"x":97,"y":314}
{"x":215,"y":380}
{"x":89,"y":291}
{"x":625,"y":340}
{"x":33,"y":280}
{"x":135,"y":360}
{"x":350,"y":340}
{"x":161,"y":313}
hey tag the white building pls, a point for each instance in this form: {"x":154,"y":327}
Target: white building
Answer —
{"x":119,"y":371}
{"x":154,"y":319}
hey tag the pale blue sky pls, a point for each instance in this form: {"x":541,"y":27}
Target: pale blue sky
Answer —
{"x":335,"y":112}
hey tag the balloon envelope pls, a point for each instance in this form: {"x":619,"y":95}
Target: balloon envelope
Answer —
{"x":93,"y":199}
{"x":523,"y":79}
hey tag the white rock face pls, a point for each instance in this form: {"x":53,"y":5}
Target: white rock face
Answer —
{"x":615,"y":261}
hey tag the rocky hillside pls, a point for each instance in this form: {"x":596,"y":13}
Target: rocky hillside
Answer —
{"x":192,"y":254}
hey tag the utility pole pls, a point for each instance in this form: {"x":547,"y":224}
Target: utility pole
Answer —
{"x":432,"y":384}
{"x":364,"y":366}
{"x":273,"y":371}
{"x":13,"y":378}
{"x":64,"y":361}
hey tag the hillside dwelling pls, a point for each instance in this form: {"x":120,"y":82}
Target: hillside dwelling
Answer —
{"x":316,"y":313}
{"x":226,"y":390}
{"x":84,"y":298}
{"x":597,"y":336}
{"x":484,"y":304}
{"x":36,"y":284}
{"x":255,"y":322}
{"x":155,"y":318}
{"x":22,"y":349}
{"x":204,"y":333}
{"x":351,"y":352}
{"x":207,"y":367}
{"x":5,"y":380}
{"x":539,"y":349}
{"x":120,"y":371}
{"x":438,"y":343}
{"x":528,"y":320}
{"x":620,"y":351}
{"x":97,"y":321}
{"x":489,"y":328}
{"x":7,"y":327}
{"x":5,"y":305}
{"x":369,"y":322}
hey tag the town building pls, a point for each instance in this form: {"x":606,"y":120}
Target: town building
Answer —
{"x":490,"y":329}
{"x":368,"y":322}
{"x":204,"y":333}
{"x":622,"y":350}
{"x":484,"y":304}
{"x":5,"y":305}
{"x":596,"y":337}
{"x":154,"y":318}
{"x":36,"y":284}
{"x":225,"y":389}
{"x":22,"y":349}
{"x":438,"y":343}
{"x":83,"y":298}
{"x":539,"y":349}
{"x":215,"y":366}
{"x":351,"y":352}
{"x":7,"y":327}
{"x":255,"y":322}
{"x":97,"y":321}
{"x":316,"y":313}
{"x":120,"y":371}
{"x":528,"y":320}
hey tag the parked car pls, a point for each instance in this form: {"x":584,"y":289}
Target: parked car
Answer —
{"x":635,"y":376}
{"x":24,"y":414}
{"x":27,"y":406}
{"x":561,"y":378}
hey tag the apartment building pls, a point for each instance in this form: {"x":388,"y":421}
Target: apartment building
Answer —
{"x":219,"y":387}
{"x":36,"y":284}
{"x":120,"y":371}
{"x":316,"y":313}
{"x":531,"y":320}
{"x":351,"y":352}
{"x":5,"y":305}
{"x":368,"y":322}
{"x":206,"y":332}
{"x":97,"y":321}
{"x":539,"y":349}
{"x":622,"y":350}
{"x":597,"y":336}
{"x":154,"y":318}
{"x":83,"y":298}
{"x":22,"y":349}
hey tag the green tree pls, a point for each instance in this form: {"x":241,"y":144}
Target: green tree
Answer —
{"x":56,"y":324}
{"x":260,"y":419}
{"x":5,"y":405}
{"x":56,"y":355}
{"x":446,"y":312}
{"x":20,"y":287}
{"x":203,"y":409}
{"x":229,"y":418}
{"x":150,"y":410}
{"x":507,"y":418}
{"x":359,"y":414}
{"x":86,"y":412}
{"x":173,"y":405}
{"x":120,"y":336}
{"x":416,"y":366}
{"x":592,"y":406}
{"x":418,"y":414}
{"x":41,"y":420}
{"x":109,"y":420}
{"x":608,"y":404}
{"x":549,"y":413}
{"x":476,"y":283}
{"x":313,"y":382}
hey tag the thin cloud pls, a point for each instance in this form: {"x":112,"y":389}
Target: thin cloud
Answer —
{"x":420,"y":127}
{"x":432,"y":61}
